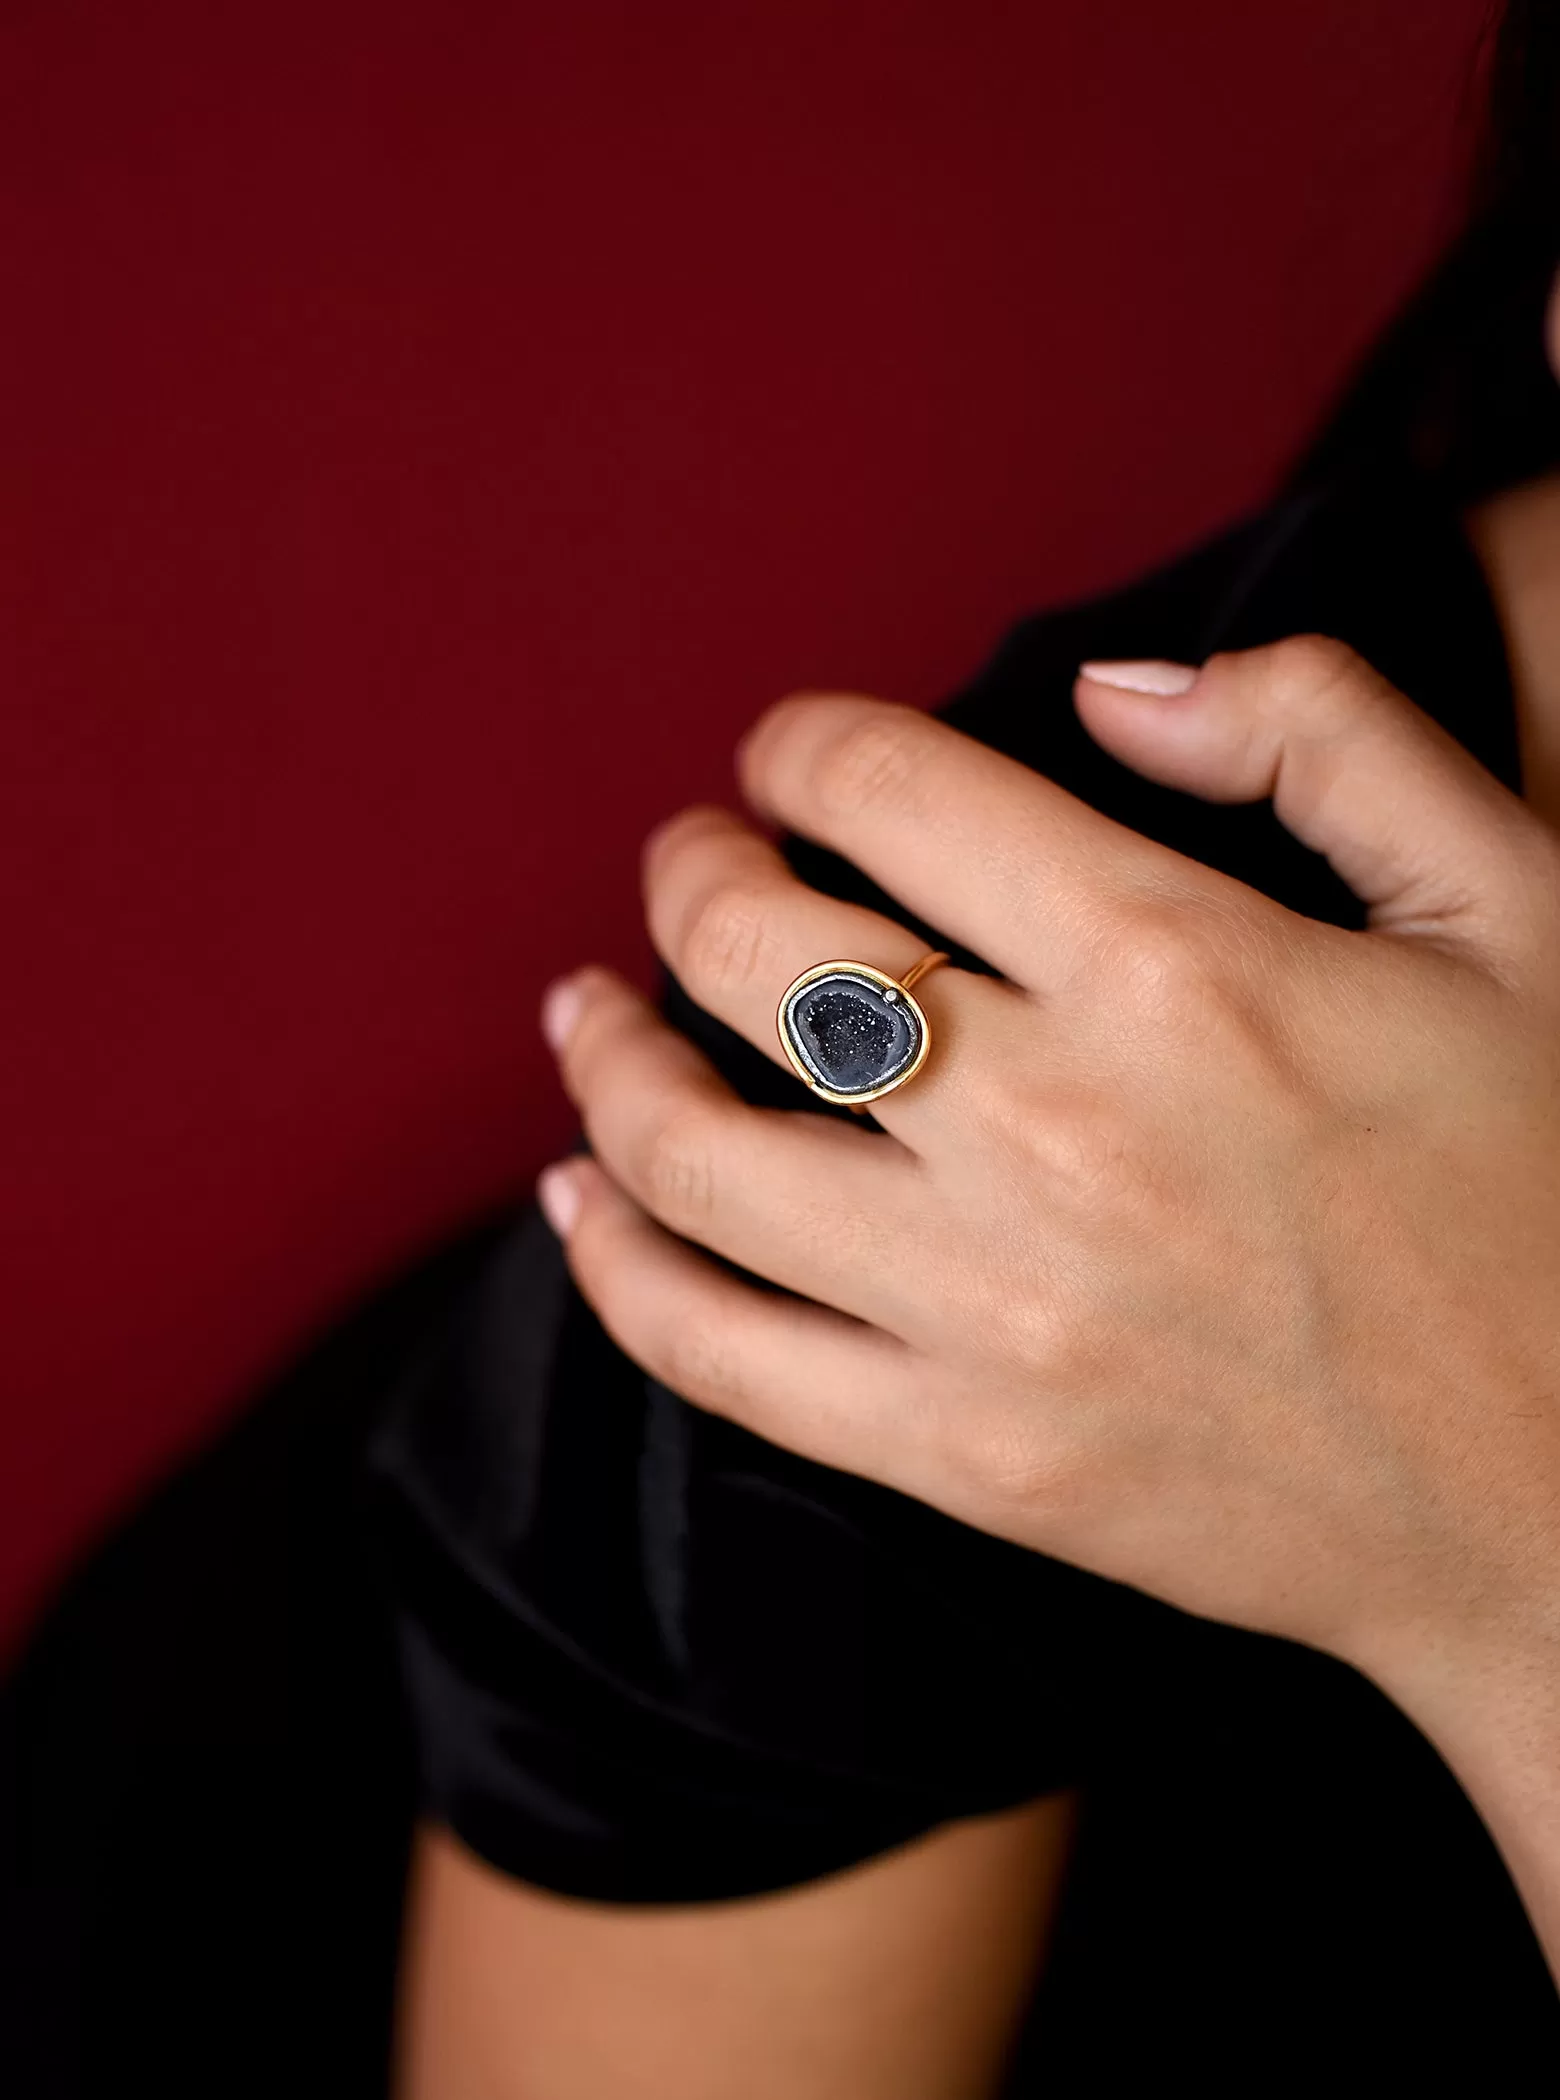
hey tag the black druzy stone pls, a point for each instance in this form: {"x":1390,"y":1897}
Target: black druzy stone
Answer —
{"x":849,"y":1035}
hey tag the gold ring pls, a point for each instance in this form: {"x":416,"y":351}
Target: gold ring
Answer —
{"x":852,"y":1033}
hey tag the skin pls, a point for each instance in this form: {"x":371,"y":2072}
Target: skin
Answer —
{"x":1213,"y":1250}
{"x":904,"y":1979}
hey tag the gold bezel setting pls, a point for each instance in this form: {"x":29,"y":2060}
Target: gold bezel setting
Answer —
{"x":891,"y":989}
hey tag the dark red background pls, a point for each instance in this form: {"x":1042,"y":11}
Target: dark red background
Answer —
{"x":431,"y":432}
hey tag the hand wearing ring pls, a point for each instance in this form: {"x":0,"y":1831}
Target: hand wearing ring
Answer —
{"x":1206,"y":1229}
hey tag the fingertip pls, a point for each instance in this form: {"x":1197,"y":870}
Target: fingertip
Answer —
{"x":1171,"y":723}
{"x":560,"y":1197}
{"x":682,"y":825}
{"x":560,"y":1011}
{"x":758,"y":747}
{"x":569,"y":1000}
{"x":1152,"y":677}
{"x":750,"y":758}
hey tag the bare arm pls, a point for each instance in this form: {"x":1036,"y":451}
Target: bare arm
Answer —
{"x":903,"y":1979}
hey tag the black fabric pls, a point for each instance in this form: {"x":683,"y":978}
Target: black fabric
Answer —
{"x":650,"y":1658}
{"x":206,"y":1777}
{"x":654,"y":1658}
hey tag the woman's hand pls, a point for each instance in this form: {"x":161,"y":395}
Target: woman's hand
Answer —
{"x":1215,"y":1249}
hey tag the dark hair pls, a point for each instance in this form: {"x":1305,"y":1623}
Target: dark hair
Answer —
{"x":1460,"y":382}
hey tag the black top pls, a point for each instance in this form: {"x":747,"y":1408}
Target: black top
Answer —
{"x":652,"y":1658}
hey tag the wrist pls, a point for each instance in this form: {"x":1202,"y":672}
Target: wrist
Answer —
{"x":1485,"y":1689}
{"x":1491,"y":1707}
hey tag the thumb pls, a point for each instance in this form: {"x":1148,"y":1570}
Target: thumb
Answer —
{"x":1419,"y":830}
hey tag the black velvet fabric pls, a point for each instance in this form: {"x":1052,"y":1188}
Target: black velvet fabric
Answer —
{"x":655,"y":1659}
{"x":646,"y":1658}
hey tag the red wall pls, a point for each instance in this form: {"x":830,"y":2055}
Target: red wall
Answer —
{"x":429,"y":433}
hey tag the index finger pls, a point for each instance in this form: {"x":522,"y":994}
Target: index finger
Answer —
{"x":976,"y":844}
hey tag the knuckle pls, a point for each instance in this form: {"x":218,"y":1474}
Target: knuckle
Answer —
{"x":1313,"y":659}
{"x":672,"y":1168}
{"x":872,"y":760}
{"x":1059,"y":1487}
{"x":602,"y":1267}
{"x":727,"y":939}
{"x":1014,"y":1467}
{"x":696,"y":1357}
{"x":596,"y":1054}
{"x":1085,"y":1150}
{"x":688,"y":832}
{"x":780,"y":742}
{"x":1200,"y":976}
{"x":678,"y":1339}
{"x":782,"y":719}
{"x":1314,"y":679}
{"x":1028,"y":1325}
{"x":1160,"y":959}
{"x":994,"y":1102}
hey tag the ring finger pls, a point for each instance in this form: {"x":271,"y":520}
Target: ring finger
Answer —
{"x":735,"y":927}
{"x":817,"y":1206}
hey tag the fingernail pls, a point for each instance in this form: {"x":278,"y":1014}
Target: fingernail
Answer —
{"x":1151,"y":675}
{"x":558,"y":1193}
{"x":561,"y":1004}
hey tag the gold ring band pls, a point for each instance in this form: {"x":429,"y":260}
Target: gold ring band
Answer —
{"x":853,"y":1033}
{"x":917,"y":971}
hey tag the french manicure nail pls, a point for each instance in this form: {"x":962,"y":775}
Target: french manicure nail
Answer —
{"x":558,"y":1193}
{"x":1151,"y":675}
{"x":560,"y":1010}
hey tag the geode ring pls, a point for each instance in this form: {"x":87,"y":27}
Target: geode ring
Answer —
{"x":852,"y":1033}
